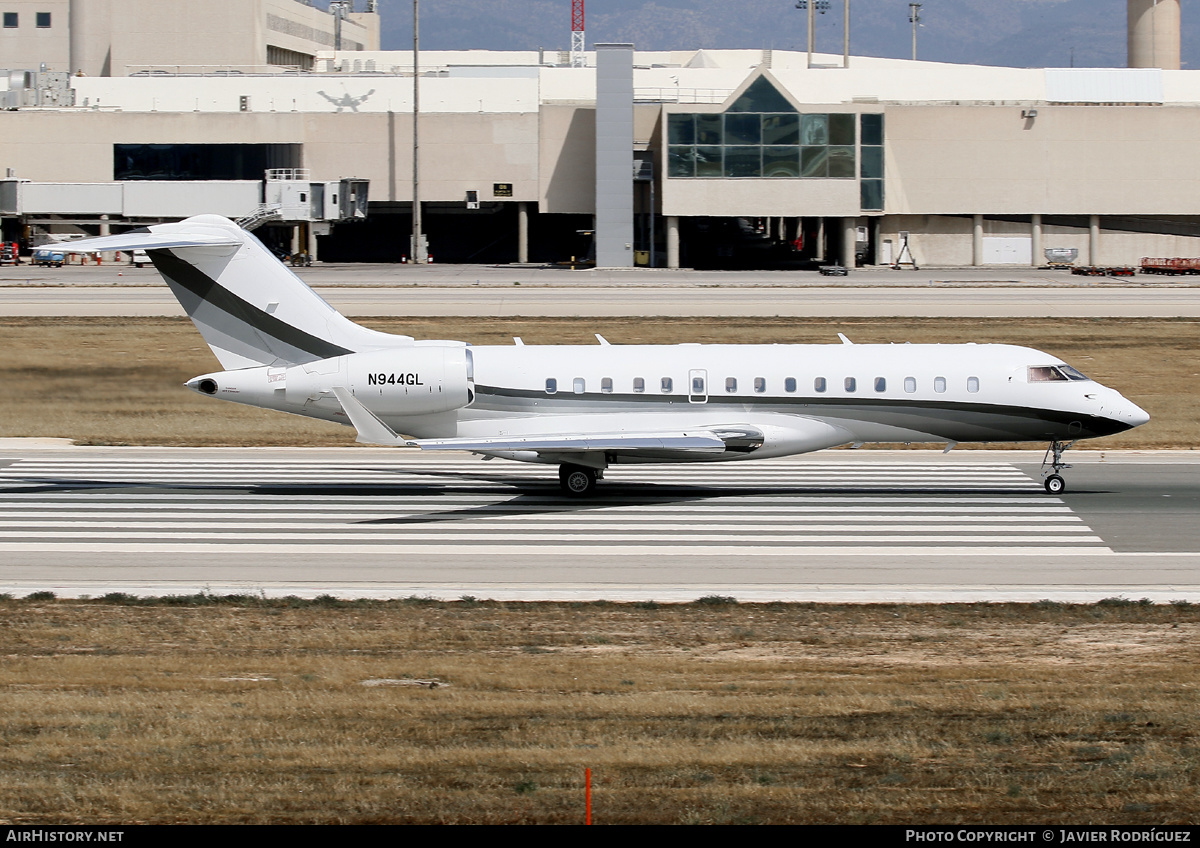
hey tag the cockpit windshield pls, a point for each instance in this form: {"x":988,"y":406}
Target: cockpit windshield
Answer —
{"x":1054,"y":374}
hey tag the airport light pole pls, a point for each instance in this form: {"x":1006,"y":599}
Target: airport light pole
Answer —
{"x":914,"y":17}
{"x":822,"y":6}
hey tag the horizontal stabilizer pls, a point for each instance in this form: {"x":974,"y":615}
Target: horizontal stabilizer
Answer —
{"x":699,"y":441}
{"x":147,"y":241}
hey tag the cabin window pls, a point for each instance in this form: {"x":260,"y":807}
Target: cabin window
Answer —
{"x":760,"y":384}
{"x":697,"y":385}
{"x":551,"y":385}
{"x":731,"y":384}
{"x":579,"y":385}
{"x":939,"y":384}
{"x":668,"y":385}
{"x":789,"y":384}
{"x":639,"y":384}
{"x":606,"y":385}
{"x":819,"y":384}
{"x":972,"y":384}
{"x":910,"y":384}
{"x":881,"y":384}
{"x":851,"y":384}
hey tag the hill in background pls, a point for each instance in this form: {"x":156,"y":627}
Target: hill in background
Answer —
{"x":1016,"y":33}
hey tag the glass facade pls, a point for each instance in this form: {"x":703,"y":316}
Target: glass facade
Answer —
{"x":766,"y":144}
{"x":762,"y":135}
{"x":871,"y":161}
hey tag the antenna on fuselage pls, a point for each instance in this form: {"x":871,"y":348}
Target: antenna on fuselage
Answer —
{"x":845,"y":340}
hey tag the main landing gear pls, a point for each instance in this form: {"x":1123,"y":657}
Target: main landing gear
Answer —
{"x":1054,"y":482}
{"x":578,"y":480}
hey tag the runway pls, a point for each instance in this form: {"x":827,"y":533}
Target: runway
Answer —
{"x":840,"y":525}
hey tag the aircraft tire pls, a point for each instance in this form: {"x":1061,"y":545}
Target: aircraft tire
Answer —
{"x":1055,"y":485}
{"x":577,"y":480}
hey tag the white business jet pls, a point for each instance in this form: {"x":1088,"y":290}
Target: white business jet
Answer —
{"x":584,"y":408}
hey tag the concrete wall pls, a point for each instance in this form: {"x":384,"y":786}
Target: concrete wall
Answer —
{"x":459,"y":151}
{"x":304,"y":93}
{"x":26,"y":46}
{"x":1069,"y":160}
{"x":567,"y":160}
{"x":755,"y":197}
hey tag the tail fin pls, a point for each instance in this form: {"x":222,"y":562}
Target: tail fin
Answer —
{"x":250,"y":309}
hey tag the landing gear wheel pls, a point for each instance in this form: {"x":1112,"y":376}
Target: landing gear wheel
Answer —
{"x":577,"y":480}
{"x":1055,"y":485}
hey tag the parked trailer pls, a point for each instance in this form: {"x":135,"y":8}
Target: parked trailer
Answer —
{"x":1104,"y":270}
{"x":1171,"y":267}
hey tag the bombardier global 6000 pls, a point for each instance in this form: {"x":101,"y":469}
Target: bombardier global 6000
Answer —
{"x":587,"y":407}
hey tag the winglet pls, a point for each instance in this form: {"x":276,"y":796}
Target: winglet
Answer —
{"x":371,"y":431}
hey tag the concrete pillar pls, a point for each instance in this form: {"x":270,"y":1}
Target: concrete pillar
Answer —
{"x":977,"y":240}
{"x":311,"y":231}
{"x":106,"y":230}
{"x":295,"y":239}
{"x":849,"y":235}
{"x":1035,"y":238}
{"x":672,"y":241}
{"x":614,"y":155}
{"x":89,"y":40}
{"x":820,"y":255}
{"x":523,"y":232}
{"x":1093,"y":239}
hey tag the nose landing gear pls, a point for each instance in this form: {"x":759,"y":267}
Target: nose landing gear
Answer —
{"x":1053,"y":481}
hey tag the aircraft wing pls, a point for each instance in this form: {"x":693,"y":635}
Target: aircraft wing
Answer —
{"x":146,"y":241}
{"x":373,"y":431}
{"x":700,"y":441}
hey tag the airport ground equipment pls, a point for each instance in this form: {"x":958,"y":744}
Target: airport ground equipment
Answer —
{"x":1104,"y":270}
{"x":1061,"y":257}
{"x":1173,"y":267}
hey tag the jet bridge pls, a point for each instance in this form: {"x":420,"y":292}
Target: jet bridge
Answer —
{"x":32,"y":211}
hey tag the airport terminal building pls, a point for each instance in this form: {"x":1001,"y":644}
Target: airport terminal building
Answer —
{"x":696,"y":158}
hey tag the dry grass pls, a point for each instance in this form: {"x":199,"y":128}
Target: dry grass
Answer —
{"x":119,"y":380}
{"x":255,"y":711}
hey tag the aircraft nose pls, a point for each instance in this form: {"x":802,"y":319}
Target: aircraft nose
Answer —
{"x":1136,"y":415}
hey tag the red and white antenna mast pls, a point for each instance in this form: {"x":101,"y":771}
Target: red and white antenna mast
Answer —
{"x":577,"y":40}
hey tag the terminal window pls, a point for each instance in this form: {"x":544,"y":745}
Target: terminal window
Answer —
{"x":173,"y":162}
{"x":43,"y":20}
{"x":11,"y":20}
{"x":871,"y":161}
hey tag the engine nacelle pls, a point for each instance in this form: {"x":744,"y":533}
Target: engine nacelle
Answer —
{"x":399,"y":382}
